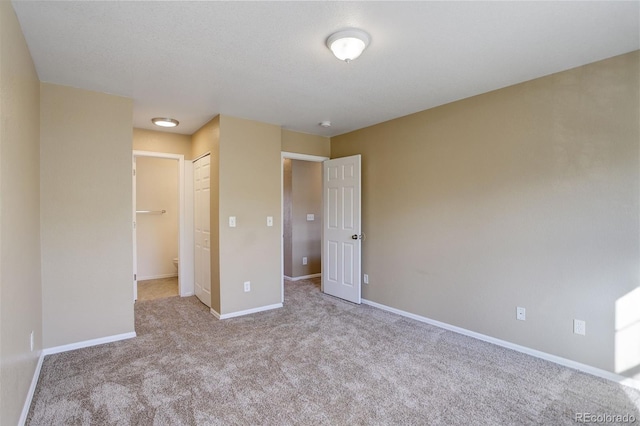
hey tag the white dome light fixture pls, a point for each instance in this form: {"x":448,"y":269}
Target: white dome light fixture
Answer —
{"x":165,"y":122}
{"x":348,"y":44}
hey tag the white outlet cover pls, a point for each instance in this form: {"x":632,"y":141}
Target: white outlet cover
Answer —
{"x":521,"y":313}
{"x":304,"y":260}
{"x":247,"y":286}
{"x":366,"y":278}
{"x":579,"y":327}
{"x":311,"y":217}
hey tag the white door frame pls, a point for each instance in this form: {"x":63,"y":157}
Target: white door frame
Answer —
{"x":291,"y":156}
{"x":185,"y":205}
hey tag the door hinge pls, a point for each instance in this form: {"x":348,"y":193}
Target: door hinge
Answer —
{"x":135,"y":277}
{"x":134,"y":225}
{"x":134,"y":172}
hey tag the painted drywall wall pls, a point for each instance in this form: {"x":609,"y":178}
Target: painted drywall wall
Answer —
{"x":287,"y":224}
{"x":20,"y":282}
{"x":525,"y":196}
{"x":207,"y":139}
{"x":250,"y":191}
{"x":158,"y":141}
{"x":306,"y":199}
{"x":303,"y":143}
{"x":157,"y":234}
{"x":86,"y":190}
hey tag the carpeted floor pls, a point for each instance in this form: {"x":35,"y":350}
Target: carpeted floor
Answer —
{"x":318,"y":360}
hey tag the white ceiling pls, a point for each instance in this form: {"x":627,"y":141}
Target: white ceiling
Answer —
{"x":267,"y":61}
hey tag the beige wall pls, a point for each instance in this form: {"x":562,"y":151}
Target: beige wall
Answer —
{"x":306,"y":197}
{"x":303,"y":143}
{"x":85,"y":180}
{"x":157,"y":234}
{"x":157,"y":141}
{"x":250,"y":190}
{"x":20,"y":284}
{"x":526,"y":196}
{"x":207,"y":139}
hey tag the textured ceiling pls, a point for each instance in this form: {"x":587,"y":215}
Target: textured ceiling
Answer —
{"x":267,"y":61}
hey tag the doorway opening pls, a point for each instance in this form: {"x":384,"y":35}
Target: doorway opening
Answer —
{"x":162,"y":243}
{"x":301,"y":248}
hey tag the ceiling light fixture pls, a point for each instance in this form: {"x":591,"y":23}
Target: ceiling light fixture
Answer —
{"x":325,"y":123}
{"x":348,"y":44}
{"x":165,"y":122}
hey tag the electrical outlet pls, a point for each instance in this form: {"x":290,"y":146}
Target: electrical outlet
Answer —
{"x":247,"y":286}
{"x":366,"y":278}
{"x":304,"y":260}
{"x":31,"y":341}
{"x":579,"y":327}
{"x":521,"y":313}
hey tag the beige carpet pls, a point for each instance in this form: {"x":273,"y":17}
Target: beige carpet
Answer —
{"x":318,"y":360}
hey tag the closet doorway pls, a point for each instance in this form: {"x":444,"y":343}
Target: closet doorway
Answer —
{"x":162,"y":218}
{"x":301,"y":216}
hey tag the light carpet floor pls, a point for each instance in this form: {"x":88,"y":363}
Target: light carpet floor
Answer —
{"x":318,"y":360}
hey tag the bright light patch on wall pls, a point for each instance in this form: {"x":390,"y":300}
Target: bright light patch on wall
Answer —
{"x":627,"y":356}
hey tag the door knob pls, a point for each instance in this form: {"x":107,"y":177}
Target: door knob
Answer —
{"x":354,"y":237}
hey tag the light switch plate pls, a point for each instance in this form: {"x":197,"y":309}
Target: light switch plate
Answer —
{"x":311,"y":217}
{"x":232,"y":221}
{"x":269,"y":220}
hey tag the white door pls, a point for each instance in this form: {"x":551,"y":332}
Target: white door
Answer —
{"x":202,"y":225}
{"x":341,"y":240}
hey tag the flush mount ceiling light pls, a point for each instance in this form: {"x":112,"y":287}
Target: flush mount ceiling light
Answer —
{"x":348,"y":44}
{"x":165,"y":122}
{"x":325,"y":124}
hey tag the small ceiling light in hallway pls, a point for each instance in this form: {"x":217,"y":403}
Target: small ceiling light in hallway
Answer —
{"x":165,"y":122}
{"x":348,"y":44}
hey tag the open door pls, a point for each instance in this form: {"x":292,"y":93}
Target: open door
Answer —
{"x":135,"y":236}
{"x":202,"y":222}
{"x":342,"y":233}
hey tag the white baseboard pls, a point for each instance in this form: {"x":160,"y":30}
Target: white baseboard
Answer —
{"x":87,"y":343}
{"x":247,"y":312}
{"x":157,"y":277}
{"x":32,"y":389}
{"x":303,"y":277}
{"x":505,"y":344}
{"x":187,"y":294}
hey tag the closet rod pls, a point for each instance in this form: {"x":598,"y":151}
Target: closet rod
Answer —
{"x":151,"y":211}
